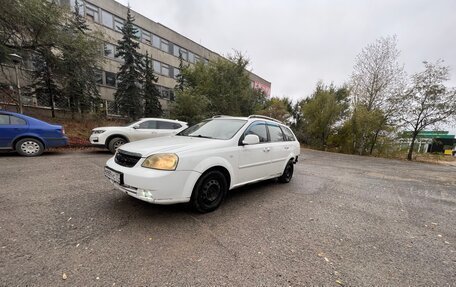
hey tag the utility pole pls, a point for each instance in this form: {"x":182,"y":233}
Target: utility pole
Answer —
{"x":17,"y":60}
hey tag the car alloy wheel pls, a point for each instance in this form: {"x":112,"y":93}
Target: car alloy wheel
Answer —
{"x":115,"y":143}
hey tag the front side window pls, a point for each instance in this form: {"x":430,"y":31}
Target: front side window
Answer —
{"x":259,"y":129}
{"x":222,"y":129}
{"x":17,"y":121}
{"x":275,"y":133}
{"x":4,"y":120}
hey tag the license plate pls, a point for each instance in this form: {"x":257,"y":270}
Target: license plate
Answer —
{"x":113,"y":175}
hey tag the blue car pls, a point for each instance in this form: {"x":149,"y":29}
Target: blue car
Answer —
{"x":28,"y":136}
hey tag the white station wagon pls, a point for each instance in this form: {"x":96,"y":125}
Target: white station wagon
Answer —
{"x":200,"y":164}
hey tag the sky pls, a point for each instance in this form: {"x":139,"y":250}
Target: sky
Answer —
{"x":296,"y":43}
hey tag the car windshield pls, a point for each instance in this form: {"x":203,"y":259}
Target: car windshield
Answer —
{"x":222,"y":129}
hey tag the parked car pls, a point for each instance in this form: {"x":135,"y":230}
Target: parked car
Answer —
{"x":200,"y":164}
{"x":28,"y":136}
{"x":113,"y":137}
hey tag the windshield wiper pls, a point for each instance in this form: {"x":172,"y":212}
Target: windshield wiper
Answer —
{"x":201,"y":136}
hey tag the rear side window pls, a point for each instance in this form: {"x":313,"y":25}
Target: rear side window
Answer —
{"x":17,"y":121}
{"x":288,"y":134}
{"x":168,"y":125}
{"x":275,"y":133}
{"x":259,"y":129}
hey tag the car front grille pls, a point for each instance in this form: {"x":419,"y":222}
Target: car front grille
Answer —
{"x":126,"y":159}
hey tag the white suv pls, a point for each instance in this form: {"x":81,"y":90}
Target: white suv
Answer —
{"x":200,"y":164}
{"x":114,"y":137}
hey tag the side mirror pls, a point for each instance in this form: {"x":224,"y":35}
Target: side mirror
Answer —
{"x":251,"y":139}
{"x":136,"y":127}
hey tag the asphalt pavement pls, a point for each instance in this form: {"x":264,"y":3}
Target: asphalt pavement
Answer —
{"x":342,"y":220}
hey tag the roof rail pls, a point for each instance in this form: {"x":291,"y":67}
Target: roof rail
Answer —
{"x":264,"y":117}
{"x":221,"y":116}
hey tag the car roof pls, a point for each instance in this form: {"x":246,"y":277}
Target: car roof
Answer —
{"x":251,"y":117}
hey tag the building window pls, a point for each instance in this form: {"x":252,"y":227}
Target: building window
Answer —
{"x":164,"y":45}
{"x":156,"y":41}
{"x":110,"y":79}
{"x":99,"y":77}
{"x":118,"y":24}
{"x":197,"y":59}
{"x":107,"y":19}
{"x":176,"y":50}
{"x":138,"y":32}
{"x":92,"y":13}
{"x":191,"y":57}
{"x":164,"y":70}
{"x":176,"y":72}
{"x":145,"y":37}
{"x":109,"y":50}
{"x":156,"y":66}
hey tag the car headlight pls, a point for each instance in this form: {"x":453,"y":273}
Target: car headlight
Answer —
{"x":98,"y":132}
{"x":161,"y":161}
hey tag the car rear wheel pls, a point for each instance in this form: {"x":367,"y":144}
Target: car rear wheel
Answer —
{"x":115,"y":143}
{"x":287,"y":173}
{"x":29,"y":147}
{"x":209,"y":191}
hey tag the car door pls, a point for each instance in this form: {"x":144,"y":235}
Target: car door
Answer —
{"x":10,"y":128}
{"x":254,"y":160}
{"x":145,"y":130}
{"x":280,"y":149}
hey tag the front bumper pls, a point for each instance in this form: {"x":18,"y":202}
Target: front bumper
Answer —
{"x":155,"y":186}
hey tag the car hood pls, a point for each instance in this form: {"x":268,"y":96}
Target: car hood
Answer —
{"x":168,"y":144}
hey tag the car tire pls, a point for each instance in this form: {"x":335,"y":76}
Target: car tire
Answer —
{"x":209,"y":191}
{"x":29,"y":147}
{"x":115,"y":143}
{"x":287,"y":173}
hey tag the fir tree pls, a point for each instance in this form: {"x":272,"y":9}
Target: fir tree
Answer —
{"x":45,"y":84}
{"x":152,"y":106}
{"x":128,"y":96}
{"x":79,"y":63}
{"x":180,"y":79}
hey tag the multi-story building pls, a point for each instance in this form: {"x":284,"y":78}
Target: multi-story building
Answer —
{"x":162,"y":43}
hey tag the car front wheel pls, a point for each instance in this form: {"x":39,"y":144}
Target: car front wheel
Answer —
{"x":29,"y":147}
{"x":209,"y":191}
{"x":287,"y":173}
{"x":115,"y":143}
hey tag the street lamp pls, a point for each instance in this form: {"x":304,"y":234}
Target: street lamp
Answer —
{"x":17,"y":60}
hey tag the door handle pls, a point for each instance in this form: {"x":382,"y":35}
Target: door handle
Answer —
{"x":266,"y":149}
{"x":287,"y":147}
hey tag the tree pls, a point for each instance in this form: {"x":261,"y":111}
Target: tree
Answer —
{"x":80,"y":59}
{"x":180,"y":79}
{"x":222,"y":85}
{"x":321,"y":112}
{"x":190,"y":106}
{"x":276,"y":108}
{"x":376,"y":83}
{"x":128,"y":96}
{"x":45,"y":80}
{"x":428,"y":102}
{"x":152,"y":106}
